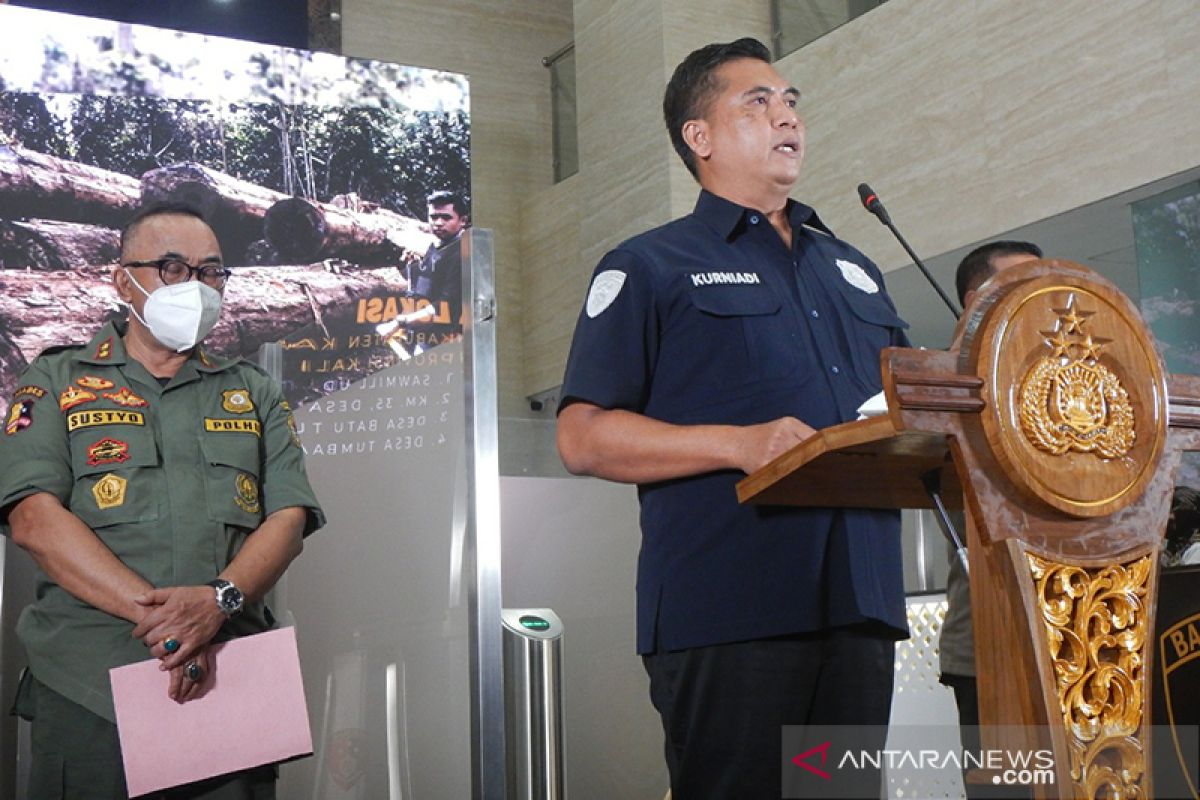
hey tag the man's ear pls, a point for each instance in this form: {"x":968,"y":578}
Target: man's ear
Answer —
{"x":122,"y":283}
{"x":696,"y":136}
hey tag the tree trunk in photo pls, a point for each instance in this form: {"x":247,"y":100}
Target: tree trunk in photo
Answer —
{"x":40,"y":244}
{"x":234,"y":207}
{"x":300,"y":230}
{"x":262,"y":304}
{"x":297,"y":230}
{"x":34,"y":184}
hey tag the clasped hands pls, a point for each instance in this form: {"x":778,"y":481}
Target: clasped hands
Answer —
{"x":188,"y":616}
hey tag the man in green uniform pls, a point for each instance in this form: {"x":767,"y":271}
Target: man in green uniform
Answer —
{"x":161,"y":491}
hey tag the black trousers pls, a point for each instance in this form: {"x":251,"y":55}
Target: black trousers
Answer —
{"x":723,"y":707}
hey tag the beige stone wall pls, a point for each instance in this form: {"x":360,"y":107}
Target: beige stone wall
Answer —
{"x":499,"y":44}
{"x":972,"y":118}
{"x":969,"y":117}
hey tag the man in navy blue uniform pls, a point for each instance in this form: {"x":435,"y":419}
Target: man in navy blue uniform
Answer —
{"x":706,"y":348}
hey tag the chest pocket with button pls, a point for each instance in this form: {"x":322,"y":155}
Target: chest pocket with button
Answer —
{"x":759,"y":336}
{"x":118,"y":484}
{"x":232,"y":478}
{"x":876,"y":326}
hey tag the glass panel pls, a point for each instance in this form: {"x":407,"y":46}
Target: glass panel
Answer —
{"x":566,"y":143}
{"x":798,"y":22}
{"x":1166,"y":235}
{"x":378,"y":596}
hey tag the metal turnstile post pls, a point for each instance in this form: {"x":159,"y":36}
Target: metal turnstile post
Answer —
{"x":533,"y":703}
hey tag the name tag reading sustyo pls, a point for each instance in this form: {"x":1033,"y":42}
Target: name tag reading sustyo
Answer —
{"x":89,"y":419}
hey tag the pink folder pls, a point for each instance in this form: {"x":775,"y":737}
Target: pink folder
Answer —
{"x":253,"y":713}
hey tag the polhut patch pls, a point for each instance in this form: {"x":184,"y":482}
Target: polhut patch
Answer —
{"x":73,"y":396}
{"x":247,"y":493}
{"x":36,"y":392}
{"x":94,"y":383}
{"x":218,"y":425}
{"x":291,"y":423}
{"x":236,"y":401}
{"x":104,"y":350}
{"x":109,"y":491}
{"x":89,"y":419}
{"x":20,"y":416}
{"x":124,"y":397}
{"x":108,"y":451}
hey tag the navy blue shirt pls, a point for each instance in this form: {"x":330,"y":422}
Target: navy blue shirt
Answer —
{"x":710,"y":319}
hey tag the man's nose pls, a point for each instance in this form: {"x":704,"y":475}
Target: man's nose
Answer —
{"x":786,"y":116}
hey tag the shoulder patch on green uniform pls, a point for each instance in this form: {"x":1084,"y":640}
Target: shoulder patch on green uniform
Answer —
{"x":29,"y":390}
{"x":20,"y":416}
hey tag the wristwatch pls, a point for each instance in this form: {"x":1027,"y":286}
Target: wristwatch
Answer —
{"x":229,"y":597}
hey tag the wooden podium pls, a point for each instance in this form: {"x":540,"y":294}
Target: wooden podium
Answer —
{"x":1054,"y":414}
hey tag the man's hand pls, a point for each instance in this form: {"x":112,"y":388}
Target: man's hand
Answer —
{"x":620,"y":445}
{"x":187,"y":614}
{"x":182,"y":688}
{"x":760,"y":444}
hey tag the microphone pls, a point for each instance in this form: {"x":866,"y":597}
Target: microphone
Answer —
{"x":872,"y":203}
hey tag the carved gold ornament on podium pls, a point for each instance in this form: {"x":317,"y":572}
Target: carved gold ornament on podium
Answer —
{"x":1096,"y":625}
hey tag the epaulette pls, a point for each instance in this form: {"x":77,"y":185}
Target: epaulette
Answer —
{"x":59,"y":348}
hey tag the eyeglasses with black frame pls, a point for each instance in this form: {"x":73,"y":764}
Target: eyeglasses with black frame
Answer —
{"x":174,"y":270}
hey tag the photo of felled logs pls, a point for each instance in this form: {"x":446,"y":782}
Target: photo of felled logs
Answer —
{"x":318,"y":211}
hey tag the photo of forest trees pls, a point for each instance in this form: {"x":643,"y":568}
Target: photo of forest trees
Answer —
{"x":313,"y":169}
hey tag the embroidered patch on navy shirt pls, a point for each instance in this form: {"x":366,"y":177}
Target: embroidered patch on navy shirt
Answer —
{"x":605,"y":288}
{"x":857,"y":277}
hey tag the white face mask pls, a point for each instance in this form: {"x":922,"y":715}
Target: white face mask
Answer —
{"x":179,"y":315}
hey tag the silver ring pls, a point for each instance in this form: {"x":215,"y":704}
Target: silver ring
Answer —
{"x":193,"y":672}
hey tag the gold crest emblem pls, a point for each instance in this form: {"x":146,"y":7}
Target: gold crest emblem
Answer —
{"x":109,"y":491}
{"x":247,"y":493}
{"x":237,"y":401}
{"x":1072,"y":402}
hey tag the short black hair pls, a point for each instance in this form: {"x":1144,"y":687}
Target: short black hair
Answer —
{"x":694,"y":83}
{"x":977,"y":267}
{"x":158,"y":209}
{"x":447,"y":198}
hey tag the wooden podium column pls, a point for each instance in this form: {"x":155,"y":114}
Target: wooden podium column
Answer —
{"x":1065,"y":434}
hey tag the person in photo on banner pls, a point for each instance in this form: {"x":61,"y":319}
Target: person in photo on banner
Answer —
{"x":706,"y":348}
{"x":436,"y":280}
{"x":161,"y":491}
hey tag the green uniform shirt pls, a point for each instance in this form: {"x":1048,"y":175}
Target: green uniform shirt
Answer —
{"x":172,"y":479}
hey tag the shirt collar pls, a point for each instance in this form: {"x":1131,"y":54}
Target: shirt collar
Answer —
{"x":108,"y":347}
{"x":729,"y":219}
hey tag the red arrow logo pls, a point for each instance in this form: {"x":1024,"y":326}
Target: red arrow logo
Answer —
{"x":802,"y":760}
